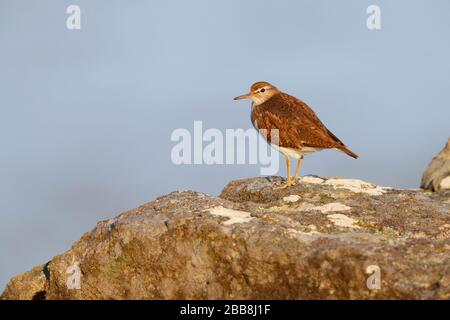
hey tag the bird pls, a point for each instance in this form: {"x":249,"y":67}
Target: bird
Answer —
{"x":290,"y":126}
{"x":437,"y":174}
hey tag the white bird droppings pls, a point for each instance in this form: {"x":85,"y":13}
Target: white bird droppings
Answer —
{"x":291,"y":198}
{"x":310,"y":179}
{"x":341,"y":220}
{"x":333,"y":206}
{"x":235,"y":216}
{"x":357,"y":186}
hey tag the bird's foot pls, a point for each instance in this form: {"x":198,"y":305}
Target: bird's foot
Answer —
{"x":289,"y":182}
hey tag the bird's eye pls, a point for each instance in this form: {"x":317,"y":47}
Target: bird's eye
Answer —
{"x":262,"y":90}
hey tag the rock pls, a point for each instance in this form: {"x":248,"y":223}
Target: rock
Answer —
{"x":320,"y":239}
{"x":437,"y":175}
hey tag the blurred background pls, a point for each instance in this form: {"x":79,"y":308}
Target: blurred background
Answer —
{"x":86,"y":115}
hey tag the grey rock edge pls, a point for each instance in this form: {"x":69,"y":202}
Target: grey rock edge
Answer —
{"x":316,"y":240}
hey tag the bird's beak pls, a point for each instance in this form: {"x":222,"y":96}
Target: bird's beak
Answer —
{"x":244,"y":96}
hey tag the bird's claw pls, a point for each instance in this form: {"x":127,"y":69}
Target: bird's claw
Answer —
{"x":289,"y":182}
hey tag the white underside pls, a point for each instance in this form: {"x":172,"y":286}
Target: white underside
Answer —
{"x":296,"y":153}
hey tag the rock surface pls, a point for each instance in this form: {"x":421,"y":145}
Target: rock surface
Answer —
{"x":320,"y":239}
{"x":437,"y":175}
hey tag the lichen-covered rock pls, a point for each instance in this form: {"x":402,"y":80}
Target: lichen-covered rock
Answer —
{"x":437,"y":175}
{"x":320,"y":239}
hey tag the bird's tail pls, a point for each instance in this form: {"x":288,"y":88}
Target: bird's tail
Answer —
{"x":348,"y":151}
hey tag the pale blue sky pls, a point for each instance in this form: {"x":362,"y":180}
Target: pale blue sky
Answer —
{"x":86,"y":116}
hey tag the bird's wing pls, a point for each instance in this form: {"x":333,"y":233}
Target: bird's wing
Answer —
{"x":298,"y":125}
{"x":273,"y":126}
{"x":319,"y":133}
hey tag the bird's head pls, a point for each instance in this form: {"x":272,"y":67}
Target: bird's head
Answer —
{"x":260,"y":92}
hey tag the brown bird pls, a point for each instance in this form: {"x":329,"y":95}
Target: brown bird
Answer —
{"x":289,"y":125}
{"x":437,"y":175}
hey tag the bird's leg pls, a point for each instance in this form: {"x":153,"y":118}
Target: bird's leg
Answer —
{"x":288,"y":166}
{"x":297,"y":170}
{"x":288,"y":178}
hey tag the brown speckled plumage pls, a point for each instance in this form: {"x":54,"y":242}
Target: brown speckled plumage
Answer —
{"x":297,"y":124}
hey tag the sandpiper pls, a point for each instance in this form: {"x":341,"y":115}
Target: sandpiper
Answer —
{"x":299,"y":130}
